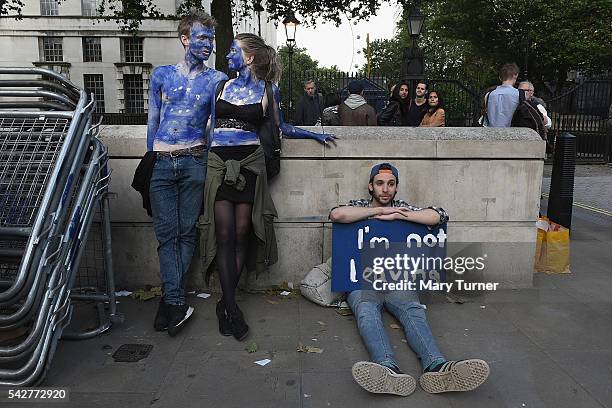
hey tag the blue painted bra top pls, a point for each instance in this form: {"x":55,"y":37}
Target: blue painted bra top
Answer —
{"x":237,"y":125}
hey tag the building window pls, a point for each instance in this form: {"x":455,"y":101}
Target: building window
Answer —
{"x":134,"y":93}
{"x":49,"y":7}
{"x":92,"y":49}
{"x":51,"y":49}
{"x":131,"y":49}
{"x":90,"y":7}
{"x":95,"y":84}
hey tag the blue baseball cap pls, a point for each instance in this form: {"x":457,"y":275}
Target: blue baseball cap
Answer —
{"x":384,"y":168}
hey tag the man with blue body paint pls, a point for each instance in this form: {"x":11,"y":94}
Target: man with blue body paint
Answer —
{"x":179,"y":107}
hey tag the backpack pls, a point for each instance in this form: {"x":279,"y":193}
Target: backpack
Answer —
{"x":528,"y":115}
{"x":483,"y":120}
{"x":268,"y":133}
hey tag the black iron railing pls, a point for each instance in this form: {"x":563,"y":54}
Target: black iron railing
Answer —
{"x":583,"y":110}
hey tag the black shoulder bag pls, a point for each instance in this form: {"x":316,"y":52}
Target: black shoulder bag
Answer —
{"x":269,"y":136}
{"x":219,"y":89}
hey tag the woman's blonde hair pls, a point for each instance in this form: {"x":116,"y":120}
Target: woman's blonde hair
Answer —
{"x":266,"y":63}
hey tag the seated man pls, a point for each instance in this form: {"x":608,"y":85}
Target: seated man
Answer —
{"x":382,"y":375}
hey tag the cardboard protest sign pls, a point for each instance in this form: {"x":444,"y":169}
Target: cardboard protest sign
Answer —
{"x":387,"y":255}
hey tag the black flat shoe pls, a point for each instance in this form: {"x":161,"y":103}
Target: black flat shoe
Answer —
{"x":225,"y":328}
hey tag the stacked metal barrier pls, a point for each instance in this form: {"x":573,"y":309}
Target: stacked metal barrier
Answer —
{"x":53,"y":176}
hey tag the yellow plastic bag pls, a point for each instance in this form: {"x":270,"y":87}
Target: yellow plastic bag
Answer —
{"x":552,"y":247}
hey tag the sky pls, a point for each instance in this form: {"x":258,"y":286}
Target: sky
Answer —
{"x":331,"y":45}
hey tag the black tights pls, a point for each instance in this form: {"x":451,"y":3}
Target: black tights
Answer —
{"x":232,"y":226}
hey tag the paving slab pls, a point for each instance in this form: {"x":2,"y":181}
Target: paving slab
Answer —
{"x":591,"y":369}
{"x":338,"y":389}
{"x":88,"y":366}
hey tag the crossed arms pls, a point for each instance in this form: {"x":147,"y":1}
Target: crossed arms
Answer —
{"x":348,"y":214}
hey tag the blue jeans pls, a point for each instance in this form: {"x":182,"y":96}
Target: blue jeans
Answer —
{"x":405,"y":306}
{"x":176,"y":193}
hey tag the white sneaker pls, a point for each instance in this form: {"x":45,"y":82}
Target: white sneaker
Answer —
{"x":463,"y":375}
{"x":379,"y":379}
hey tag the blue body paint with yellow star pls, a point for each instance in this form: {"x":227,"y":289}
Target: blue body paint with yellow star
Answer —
{"x":246,"y":90}
{"x":180,"y":96}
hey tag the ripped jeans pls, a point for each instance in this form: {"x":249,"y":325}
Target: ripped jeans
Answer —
{"x":405,"y":306}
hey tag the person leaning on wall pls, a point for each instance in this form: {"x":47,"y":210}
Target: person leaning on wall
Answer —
{"x":435,"y":116}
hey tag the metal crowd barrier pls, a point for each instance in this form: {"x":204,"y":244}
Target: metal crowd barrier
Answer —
{"x":53,"y":176}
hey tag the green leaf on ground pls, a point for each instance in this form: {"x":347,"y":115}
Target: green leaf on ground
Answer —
{"x":308,"y":349}
{"x":147,"y":293}
{"x":251,"y":347}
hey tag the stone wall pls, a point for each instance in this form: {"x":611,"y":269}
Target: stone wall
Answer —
{"x":487,"y":179}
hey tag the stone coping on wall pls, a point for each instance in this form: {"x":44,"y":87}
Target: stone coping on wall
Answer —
{"x":376,"y":142}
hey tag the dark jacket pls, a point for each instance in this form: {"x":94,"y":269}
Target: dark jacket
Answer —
{"x":142,"y":179}
{"x":355,"y":111}
{"x":391,"y":115}
{"x":308,"y":110}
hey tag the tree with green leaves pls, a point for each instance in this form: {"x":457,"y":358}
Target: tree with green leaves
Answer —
{"x":547,"y":38}
{"x":472,"y":38}
{"x":303,"y":68}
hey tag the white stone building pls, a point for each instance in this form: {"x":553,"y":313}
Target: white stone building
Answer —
{"x":69,"y":38}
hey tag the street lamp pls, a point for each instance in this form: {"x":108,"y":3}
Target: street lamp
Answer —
{"x":415,"y":23}
{"x":258,"y":8}
{"x":414,"y":64}
{"x":290,"y":23}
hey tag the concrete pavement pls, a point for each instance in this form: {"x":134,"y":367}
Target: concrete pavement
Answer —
{"x":592,"y":185}
{"x":547,"y":346}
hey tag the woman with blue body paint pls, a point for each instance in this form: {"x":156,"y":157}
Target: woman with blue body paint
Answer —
{"x":236,"y":197}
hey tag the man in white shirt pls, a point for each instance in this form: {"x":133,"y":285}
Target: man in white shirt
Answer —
{"x":529,"y":90}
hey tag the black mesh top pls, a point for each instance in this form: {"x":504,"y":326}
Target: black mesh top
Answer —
{"x":252,"y":114}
